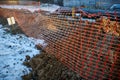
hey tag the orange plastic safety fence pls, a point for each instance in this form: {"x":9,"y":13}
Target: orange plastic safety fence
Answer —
{"x":85,"y":47}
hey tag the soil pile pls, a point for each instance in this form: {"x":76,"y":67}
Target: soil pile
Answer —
{"x":47,"y":67}
{"x":32,"y":24}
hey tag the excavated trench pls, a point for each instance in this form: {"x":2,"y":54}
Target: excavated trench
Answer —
{"x":44,"y":66}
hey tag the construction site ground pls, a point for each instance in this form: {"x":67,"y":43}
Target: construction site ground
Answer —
{"x":47,"y":67}
{"x":44,"y":66}
{"x":89,"y":48}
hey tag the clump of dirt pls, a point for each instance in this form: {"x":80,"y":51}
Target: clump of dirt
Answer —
{"x":47,"y":67}
{"x":3,"y":21}
{"x":15,"y":29}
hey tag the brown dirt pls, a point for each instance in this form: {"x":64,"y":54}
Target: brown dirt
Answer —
{"x":32,"y":24}
{"x":47,"y":67}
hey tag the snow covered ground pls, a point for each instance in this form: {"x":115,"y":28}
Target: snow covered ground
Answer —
{"x":47,"y":7}
{"x":13,"y":51}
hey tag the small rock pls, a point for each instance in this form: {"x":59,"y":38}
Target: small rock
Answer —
{"x":6,"y":66}
{"x":13,"y":63}
{"x":27,"y":57}
{"x":21,"y":59}
{"x":39,"y":47}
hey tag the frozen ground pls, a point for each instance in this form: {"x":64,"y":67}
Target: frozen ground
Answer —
{"x":47,"y":7}
{"x":13,"y":50}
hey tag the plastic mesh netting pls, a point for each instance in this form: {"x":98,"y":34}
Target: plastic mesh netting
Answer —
{"x":88,"y":47}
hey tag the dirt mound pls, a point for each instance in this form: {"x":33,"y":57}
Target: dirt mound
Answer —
{"x":32,"y":24}
{"x":47,"y":67}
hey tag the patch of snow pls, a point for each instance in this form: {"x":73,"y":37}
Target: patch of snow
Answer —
{"x":39,"y":41}
{"x":0,"y":25}
{"x":13,"y":51}
{"x":47,"y":7}
{"x":30,"y":8}
{"x":83,"y":19}
{"x":90,"y":20}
